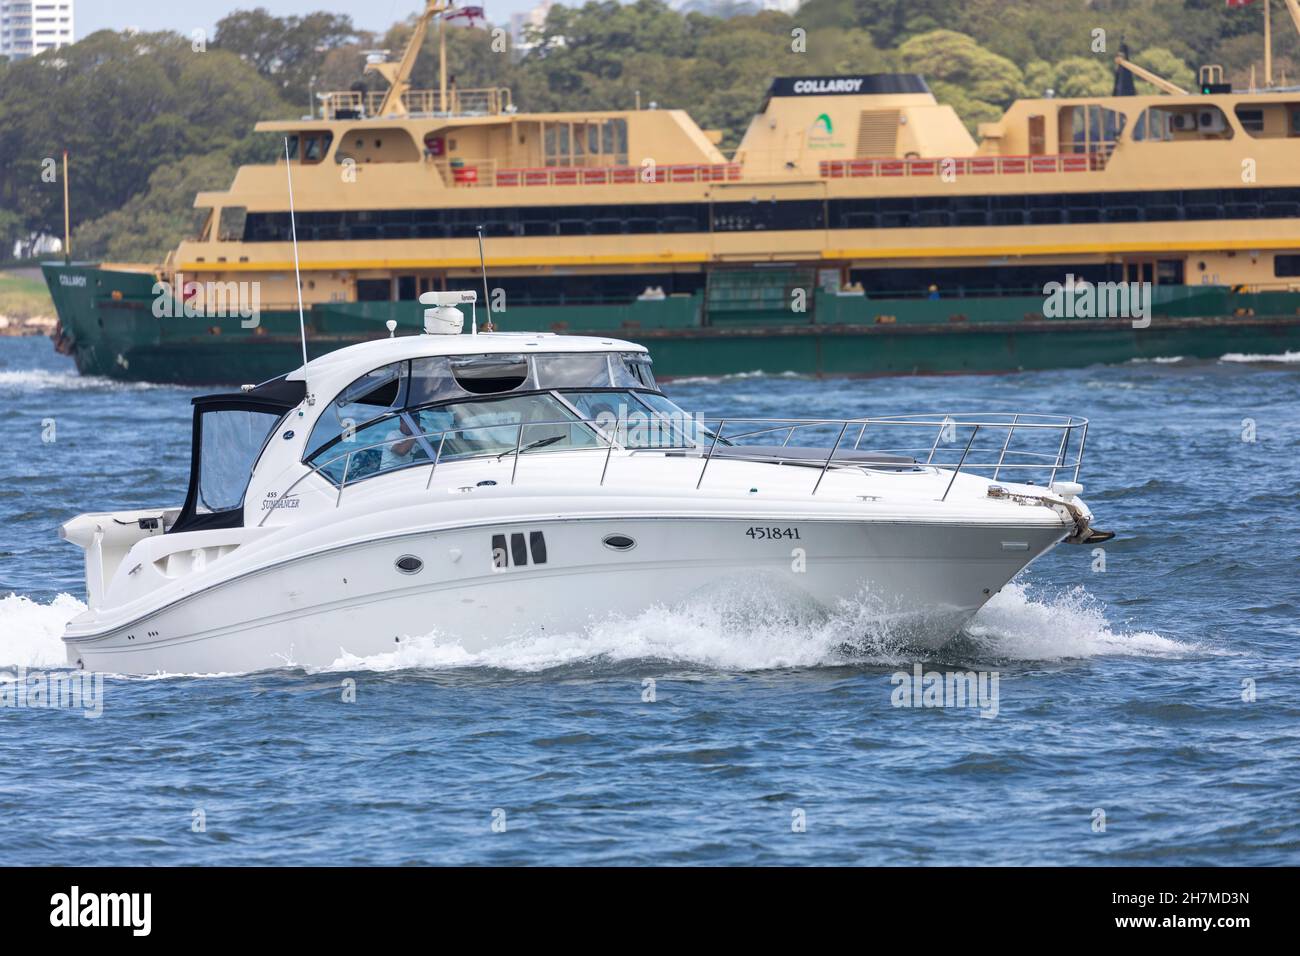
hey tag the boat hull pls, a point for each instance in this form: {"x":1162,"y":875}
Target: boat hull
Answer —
{"x":108,"y":324}
{"x":478,"y":588}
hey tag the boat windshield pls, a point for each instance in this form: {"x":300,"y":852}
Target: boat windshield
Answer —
{"x":639,"y":419}
{"x":446,"y":432}
{"x":417,"y":383}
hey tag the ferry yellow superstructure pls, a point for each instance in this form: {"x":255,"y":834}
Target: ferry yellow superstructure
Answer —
{"x":856,"y":201}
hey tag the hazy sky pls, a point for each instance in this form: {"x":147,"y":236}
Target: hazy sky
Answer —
{"x":185,"y":15}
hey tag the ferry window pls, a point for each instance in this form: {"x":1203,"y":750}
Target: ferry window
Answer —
{"x":613,"y":140}
{"x":371,"y":396}
{"x":315,"y":146}
{"x":1090,"y":129}
{"x":1154,"y":124}
{"x":229,"y":444}
{"x":1169,"y":271}
{"x":488,"y":374}
{"x":1165,"y":125}
{"x":293,"y":146}
{"x":572,"y":370}
{"x":231,"y":227}
{"x":768,"y":214}
{"x":1211,"y":121}
{"x":1286,"y":266}
{"x":374,"y":290}
{"x":555,"y":144}
{"x":1252,"y":120}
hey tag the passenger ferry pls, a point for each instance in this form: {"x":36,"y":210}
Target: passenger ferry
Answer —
{"x":858,"y":228}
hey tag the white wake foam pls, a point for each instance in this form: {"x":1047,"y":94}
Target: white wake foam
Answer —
{"x":1021,"y":625}
{"x":40,"y":379}
{"x":1288,"y":358}
{"x":1013,"y":626}
{"x":733,"y":377}
{"x":31,"y":633}
{"x":748,"y":633}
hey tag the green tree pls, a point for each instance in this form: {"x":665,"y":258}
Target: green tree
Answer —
{"x":1163,"y":63}
{"x":150,"y":223}
{"x":122,"y":106}
{"x":978,"y":84}
{"x":11,"y":231}
{"x":1082,"y":76}
{"x":288,"y":51}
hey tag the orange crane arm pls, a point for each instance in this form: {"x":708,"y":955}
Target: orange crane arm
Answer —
{"x":1293,"y":8}
{"x":398,"y":74}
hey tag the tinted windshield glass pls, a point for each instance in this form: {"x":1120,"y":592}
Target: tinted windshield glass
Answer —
{"x":373,"y":395}
{"x":637,"y":419}
{"x":489,"y":374}
{"x":460,"y":430}
{"x":230,"y":443}
{"x":633,"y":370}
{"x":576,"y":370}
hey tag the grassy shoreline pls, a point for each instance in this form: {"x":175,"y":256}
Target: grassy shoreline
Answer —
{"x":25,"y":305}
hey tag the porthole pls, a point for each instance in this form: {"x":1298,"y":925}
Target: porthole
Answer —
{"x":409,"y":564}
{"x":619,"y":542}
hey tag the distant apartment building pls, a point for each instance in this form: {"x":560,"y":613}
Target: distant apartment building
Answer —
{"x":29,"y":27}
{"x":520,"y":22}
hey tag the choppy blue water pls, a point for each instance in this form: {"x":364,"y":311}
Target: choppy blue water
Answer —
{"x":1120,"y":691}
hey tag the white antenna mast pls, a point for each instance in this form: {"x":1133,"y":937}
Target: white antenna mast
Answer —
{"x":297,"y":275}
{"x":487,"y":296}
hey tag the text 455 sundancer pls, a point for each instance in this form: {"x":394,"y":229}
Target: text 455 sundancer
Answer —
{"x":482,"y":488}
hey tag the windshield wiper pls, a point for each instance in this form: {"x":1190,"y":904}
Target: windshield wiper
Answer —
{"x":540,"y":443}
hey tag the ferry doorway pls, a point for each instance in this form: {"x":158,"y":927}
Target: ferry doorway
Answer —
{"x":1037,"y":134}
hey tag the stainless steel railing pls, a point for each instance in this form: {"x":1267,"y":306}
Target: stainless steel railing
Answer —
{"x":953,"y":436}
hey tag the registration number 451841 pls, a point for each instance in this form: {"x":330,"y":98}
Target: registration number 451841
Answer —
{"x":773,"y":534}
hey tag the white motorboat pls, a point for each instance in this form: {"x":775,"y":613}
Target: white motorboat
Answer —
{"x":484,"y":488}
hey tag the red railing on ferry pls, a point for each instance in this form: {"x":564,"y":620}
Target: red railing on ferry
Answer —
{"x":619,"y":175}
{"x":962,"y":166}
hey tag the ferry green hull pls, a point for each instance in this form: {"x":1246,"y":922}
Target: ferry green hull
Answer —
{"x":109,"y":326}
